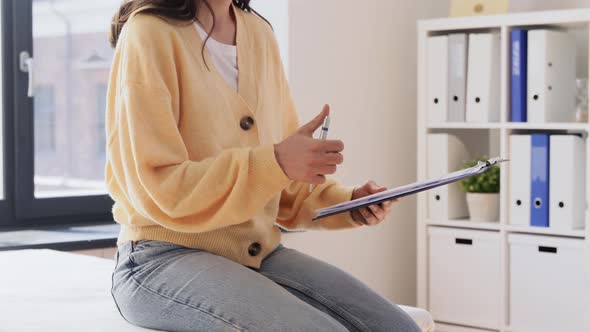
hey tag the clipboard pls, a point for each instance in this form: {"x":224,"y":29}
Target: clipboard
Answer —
{"x":410,"y":189}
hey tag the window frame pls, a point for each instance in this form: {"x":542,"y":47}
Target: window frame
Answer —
{"x":21,"y":208}
{"x":6,"y":204}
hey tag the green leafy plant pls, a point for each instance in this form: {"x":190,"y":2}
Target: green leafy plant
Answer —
{"x":488,"y":182}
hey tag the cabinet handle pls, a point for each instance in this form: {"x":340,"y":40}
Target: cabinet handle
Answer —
{"x":464,"y":241}
{"x":552,"y":250}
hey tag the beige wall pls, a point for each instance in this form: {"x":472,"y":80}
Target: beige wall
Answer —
{"x":360,"y":56}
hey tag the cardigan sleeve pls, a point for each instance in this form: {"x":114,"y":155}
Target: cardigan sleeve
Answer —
{"x":149,"y":159}
{"x":297,"y":205}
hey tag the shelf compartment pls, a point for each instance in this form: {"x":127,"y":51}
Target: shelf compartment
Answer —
{"x":460,"y":255}
{"x":546,"y":269}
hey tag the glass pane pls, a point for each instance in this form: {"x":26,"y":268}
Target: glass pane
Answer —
{"x":72,"y":60}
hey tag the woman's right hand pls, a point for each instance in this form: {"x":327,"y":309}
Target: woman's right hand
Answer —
{"x":306,"y":159}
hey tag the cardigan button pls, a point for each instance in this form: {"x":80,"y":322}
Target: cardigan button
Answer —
{"x":246,"y":122}
{"x":254,"y":249}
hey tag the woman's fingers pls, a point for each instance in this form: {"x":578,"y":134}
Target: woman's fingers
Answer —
{"x":359,"y":223}
{"x":368,"y":216}
{"x":331,"y":146}
{"x":326,"y":169}
{"x":387,"y":204}
{"x":378,"y":212}
{"x":317,"y":179}
{"x":326,"y":146}
{"x":323,"y":159}
{"x":374,"y":188}
{"x":333,"y":158}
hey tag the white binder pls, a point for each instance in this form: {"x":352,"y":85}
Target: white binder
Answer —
{"x":437,"y":71}
{"x":483,"y":78}
{"x":457,"y":77}
{"x":567,"y":182}
{"x":446,"y":153}
{"x":520,"y":180}
{"x":551,"y":81}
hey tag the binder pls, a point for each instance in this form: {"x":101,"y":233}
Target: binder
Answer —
{"x":437,"y":71}
{"x":551,"y":60}
{"x":446,"y":153}
{"x":483,"y":78}
{"x":520,"y":180}
{"x":540,"y":180}
{"x":457,"y":81}
{"x":518,"y":75}
{"x":567,"y":181}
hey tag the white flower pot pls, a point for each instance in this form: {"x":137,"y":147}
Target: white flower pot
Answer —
{"x":484,"y":207}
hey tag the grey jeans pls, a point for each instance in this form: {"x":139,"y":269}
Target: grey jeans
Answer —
{"x":165,"y":286}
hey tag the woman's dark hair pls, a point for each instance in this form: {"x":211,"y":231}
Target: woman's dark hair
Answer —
{"x":179,"y":10}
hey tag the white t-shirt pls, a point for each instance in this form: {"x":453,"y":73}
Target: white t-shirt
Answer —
{"x":224,"y":57}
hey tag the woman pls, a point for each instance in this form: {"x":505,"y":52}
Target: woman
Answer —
{"x":205,"y":158}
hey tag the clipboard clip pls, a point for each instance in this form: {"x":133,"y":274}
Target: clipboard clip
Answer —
{"x":492,"y":162}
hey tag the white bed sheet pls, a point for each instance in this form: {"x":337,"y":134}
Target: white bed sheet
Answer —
{"x":47,"y":290}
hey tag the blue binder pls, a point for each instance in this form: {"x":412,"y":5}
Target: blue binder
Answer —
{"x":518,"y":79}
{"x":540,"y":180}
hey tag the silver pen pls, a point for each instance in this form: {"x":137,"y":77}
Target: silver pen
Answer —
{"x":323,"y":137}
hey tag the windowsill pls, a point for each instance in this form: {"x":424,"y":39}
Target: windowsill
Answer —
{"x":65,"y":238}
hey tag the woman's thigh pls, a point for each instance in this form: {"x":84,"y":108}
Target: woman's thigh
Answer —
{"x":335,"y":292}
{"x":168,"y":287}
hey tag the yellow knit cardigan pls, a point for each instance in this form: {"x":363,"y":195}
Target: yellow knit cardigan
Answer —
{"x":190,"y":161}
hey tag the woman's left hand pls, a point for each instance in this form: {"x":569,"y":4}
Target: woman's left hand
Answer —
{"x":373,"y":214}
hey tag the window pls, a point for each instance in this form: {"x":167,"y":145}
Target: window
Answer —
{"x":57,"y":173}
{"x":71,"y":54}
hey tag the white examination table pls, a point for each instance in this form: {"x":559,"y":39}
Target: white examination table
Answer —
{"x":47,"y":290}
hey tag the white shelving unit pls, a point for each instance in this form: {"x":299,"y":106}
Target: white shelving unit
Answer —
{"x":576,"y":21}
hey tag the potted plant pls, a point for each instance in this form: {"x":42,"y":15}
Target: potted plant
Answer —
{"x":483,"y":194}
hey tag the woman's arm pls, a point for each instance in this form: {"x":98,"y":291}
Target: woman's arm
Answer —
{"x":298,"y":205}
